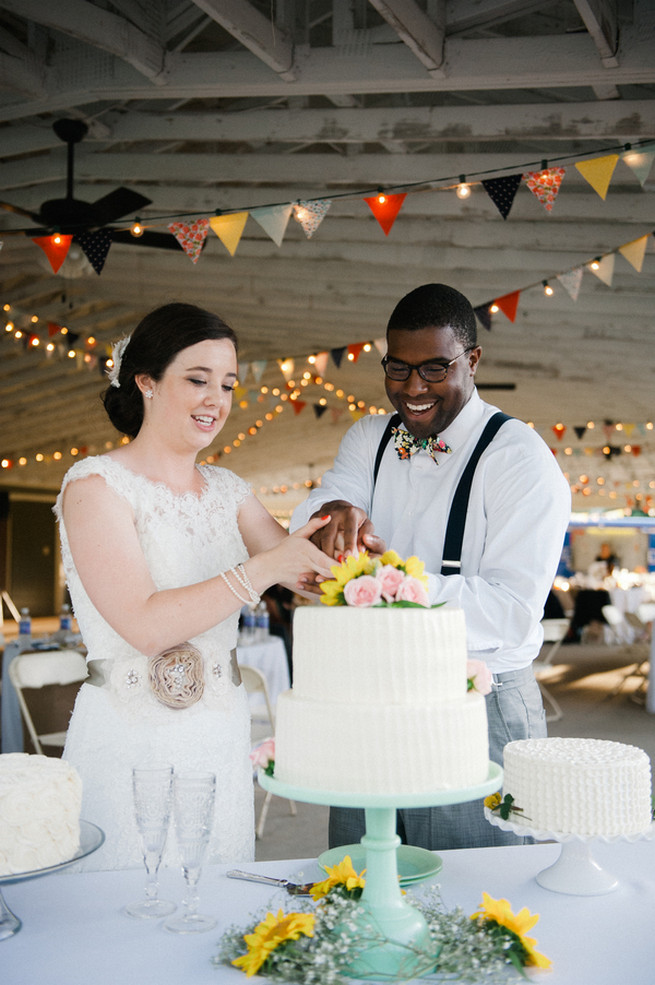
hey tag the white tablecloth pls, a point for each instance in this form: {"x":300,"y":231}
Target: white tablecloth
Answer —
{"x":74,"y":932}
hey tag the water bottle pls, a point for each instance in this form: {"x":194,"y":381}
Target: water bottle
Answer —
{"x":25,"y":629}
{"x":65,"y":619}
{"x":261,"y":621}
{"x":248,"y":622}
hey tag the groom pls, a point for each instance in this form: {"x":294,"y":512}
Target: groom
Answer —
{"x":475,"y":495}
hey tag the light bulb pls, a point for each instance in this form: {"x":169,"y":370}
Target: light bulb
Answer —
{"x":548,"y":291}
{"x":381,"y":199}
{"x":137,"y":229}
{"x":463,"y":190}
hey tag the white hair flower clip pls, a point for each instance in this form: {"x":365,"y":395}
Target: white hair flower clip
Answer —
{"x":117,"y":357}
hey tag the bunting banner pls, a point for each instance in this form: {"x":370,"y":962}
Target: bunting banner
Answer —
{"x":319,"y":410}
{"x":381,"y":346}
{"x":483,"y":314}
{"x":191,"y":236}
{"x":337,"y":355}
{"x":56,"y":252}
{"x":273,"y":219}
{"x":545,"y":184}
{"x":598,"y":173}
{"x":320,"y":362}
{"x":311,"y":214}
{"x":634,"y":252}
{"x":95,"y":247}
{"x":298,"y":406}
{"x":571,"y":281}
{"x":640,"y":161}
{"x":580,"y":430}
{"x":287,"y":367}
{"x":385,"y":208}
{"x":257,"y":368}
{"x":502,"y":191}
{"x":603,"y":268}
{"x":229,"y":229}
{"x":508,"y":304}
{"x":354,"y":351}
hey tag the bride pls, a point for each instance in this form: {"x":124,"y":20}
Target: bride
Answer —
{"x":160,"y":555}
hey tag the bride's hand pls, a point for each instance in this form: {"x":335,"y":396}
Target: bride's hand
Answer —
{"x":296,"y":561}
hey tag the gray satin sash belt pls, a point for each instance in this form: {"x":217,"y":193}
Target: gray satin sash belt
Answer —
{"x":99,"y":671}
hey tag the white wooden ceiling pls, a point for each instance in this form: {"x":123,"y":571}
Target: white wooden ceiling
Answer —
{"x":219,"y":106}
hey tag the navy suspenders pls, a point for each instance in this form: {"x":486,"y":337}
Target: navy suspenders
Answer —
{"x":452,"y":550}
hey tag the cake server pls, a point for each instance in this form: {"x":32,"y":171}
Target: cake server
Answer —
{"x":293,"y":888}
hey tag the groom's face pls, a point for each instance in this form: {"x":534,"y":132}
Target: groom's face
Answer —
{"x":428,"y":408}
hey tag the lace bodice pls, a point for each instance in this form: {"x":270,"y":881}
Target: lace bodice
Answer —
{"x":185,"y":539}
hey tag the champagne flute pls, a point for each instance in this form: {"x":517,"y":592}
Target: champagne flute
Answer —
{"x":153,"y":796}
{"x":194,"y":794}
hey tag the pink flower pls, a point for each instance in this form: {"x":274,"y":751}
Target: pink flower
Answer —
{"x":412,"y":590}
{"x":262,"y":754}
{"x":479,"y":676}
{"x":362,"y":591}
{"x":389,"y":579}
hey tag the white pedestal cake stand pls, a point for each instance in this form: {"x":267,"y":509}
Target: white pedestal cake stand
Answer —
{"x":575,"y":872}
{"x":398,"y":933}
{"x":91,"y":838}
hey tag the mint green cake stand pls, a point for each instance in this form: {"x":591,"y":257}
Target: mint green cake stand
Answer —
{"x":400,"y":949}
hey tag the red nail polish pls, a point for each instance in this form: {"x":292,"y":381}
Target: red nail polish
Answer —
{"x":340,"y":558}
{"x":326,"y":517}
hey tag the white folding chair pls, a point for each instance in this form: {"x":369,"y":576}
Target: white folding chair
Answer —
{"x":632,"y":635}
{"x":44,"y":669}
{"x":255,"y":683}
{"x":554,"y":632}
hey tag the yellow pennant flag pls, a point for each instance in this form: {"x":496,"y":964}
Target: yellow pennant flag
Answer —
{"x":229,"y":229}
{"x":634,"y":252}
{"x":599,"y":172}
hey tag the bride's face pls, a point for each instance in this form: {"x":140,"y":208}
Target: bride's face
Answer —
{"x":194,"y":396}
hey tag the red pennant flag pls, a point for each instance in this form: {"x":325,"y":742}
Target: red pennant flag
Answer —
{"x":53,"y":328}
{"x":508,"y":304}
{"x":354,"y":351}
{"x":55,"y":248}
{"x":559,"y":430}
{"x":298,"y":405}
{"x":385,"y":208}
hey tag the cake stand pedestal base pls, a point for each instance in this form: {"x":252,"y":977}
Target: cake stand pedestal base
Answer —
{"x":575,"y":872}
{"x":9,"y":922}
{"x":391,"y":941}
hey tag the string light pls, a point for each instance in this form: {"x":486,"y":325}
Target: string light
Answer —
{"x":463,"y":189}
{"x":548,"y":291}
{"x":137,"y":229}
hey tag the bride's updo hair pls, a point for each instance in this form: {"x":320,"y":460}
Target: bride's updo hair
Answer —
{"x":154,"y":343}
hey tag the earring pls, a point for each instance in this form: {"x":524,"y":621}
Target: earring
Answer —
{"x":148,"y":394}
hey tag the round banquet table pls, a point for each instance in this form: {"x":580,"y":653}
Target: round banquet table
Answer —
{"x":74,"y":931}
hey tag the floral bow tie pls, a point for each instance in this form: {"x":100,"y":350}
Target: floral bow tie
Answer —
{"x":406,"y":445}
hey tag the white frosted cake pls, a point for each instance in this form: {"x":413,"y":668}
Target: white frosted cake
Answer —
{"x":588,"y":787}
{"x":380,"y":704}
{"x":40,"y":803}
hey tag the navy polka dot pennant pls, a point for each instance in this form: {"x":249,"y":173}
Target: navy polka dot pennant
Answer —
{"x":483,"y":314}
{"x":501,"y":191}
{"x":95,"y":247}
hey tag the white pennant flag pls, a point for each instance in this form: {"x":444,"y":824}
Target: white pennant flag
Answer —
{"x":571,"y":281}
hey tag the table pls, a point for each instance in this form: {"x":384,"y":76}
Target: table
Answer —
{"x":74,"y":931}
{"x":268,"y":655}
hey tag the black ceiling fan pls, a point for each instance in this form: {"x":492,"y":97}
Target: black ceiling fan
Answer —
{"x":73,"y":216}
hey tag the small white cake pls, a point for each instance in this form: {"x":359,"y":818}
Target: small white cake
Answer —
{"x":586,"y":787}
{"x":40,"y":803}
{"x":379,"y":703}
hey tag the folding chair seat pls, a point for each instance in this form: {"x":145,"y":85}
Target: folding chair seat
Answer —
{"x":61,"y":670}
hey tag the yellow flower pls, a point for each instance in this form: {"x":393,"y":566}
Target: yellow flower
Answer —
{"x":500,"y":912}
{"x":342,"y":874}
{"x":269,"y":934}
{"x":351,"y":568}
{"x":492,"y":801}
{"x":416,"y":569}
{"x":390,"y":557}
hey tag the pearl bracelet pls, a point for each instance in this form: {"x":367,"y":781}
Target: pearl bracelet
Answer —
{"x":232,"y":588}
{"x":241,"y":576}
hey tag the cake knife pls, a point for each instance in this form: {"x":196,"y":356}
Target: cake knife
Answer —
{"x":293,"y":888}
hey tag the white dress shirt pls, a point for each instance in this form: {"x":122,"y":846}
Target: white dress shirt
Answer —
{"x":517,"y":516}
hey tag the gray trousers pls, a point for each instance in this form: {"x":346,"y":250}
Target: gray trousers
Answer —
{"x":515,"y":710}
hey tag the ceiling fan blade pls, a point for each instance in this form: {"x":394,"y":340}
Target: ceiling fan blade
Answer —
{"x":120,"y":202}
{"x":495,"y":386}
{"x":16,"y":209}
{"x":161,"y":241}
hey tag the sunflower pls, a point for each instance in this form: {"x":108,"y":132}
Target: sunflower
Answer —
{"x":269,"y":934}
{"x":342,"y":874}
{"x":498,"y":914}
{"x":416,"y":569}
{"x":351,"y":568}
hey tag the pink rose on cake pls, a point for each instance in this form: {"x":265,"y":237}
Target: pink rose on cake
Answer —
{"x":479,"y":676}
{"x":363,"y":591}
{"x":364,"y":581}
{"x":263,"y":756}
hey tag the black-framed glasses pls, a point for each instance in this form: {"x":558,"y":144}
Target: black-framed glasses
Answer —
{"x":429,"y":370}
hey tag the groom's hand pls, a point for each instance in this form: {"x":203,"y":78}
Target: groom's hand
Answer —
{"x":348,"y":532}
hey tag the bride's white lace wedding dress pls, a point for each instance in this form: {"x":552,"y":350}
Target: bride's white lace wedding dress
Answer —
{"x":185,"y":539}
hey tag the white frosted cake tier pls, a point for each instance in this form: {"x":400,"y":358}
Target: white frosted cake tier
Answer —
{"x":40,"y":802}
{"x":371,"y":749}
{"x":378,"y":655}
{"x":379,"y":703}
{"x":586,"y":787}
